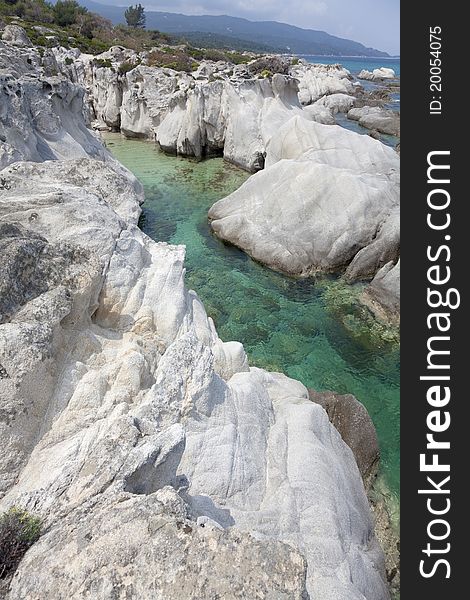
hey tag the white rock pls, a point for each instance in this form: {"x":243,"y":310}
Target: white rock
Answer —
{"x":337,"y":102}
{"x":377,"y":74}
{"x":320,"y":114}
{"x":378,"y":118}
{"x":383,"y":293}
{"x":15,"y":35}
{"x":157,"y":553}
{"x":316,"y":81}
{"x":324,"y":195}
{"x":126,"y":418}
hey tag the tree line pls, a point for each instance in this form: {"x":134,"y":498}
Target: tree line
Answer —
{"x":66,"y":13}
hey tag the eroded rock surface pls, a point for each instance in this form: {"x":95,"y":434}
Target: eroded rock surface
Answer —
{"x":317,"y":80}
{"x":355,"y":426}
{"x":161,"y":464}
{"x":383,"y":293}
{"x":166,"y":556}
{"x":377,"y":118}
{"x":379,"y":74}
{"x":327,"y":199}
{"x":217,"y":109}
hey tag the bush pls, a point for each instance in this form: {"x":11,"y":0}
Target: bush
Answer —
{"x":101,"y":63}
{"x":125,"y":67}
{"x":66,"y":12}
{"x":237,"y":58}
{"x":18,"y":532}
{"x":35,"y":10}
{"x":178,"y":61}
{"x":68,"y":61}
{"x":265,"y":73}
{"x":214,"y":55}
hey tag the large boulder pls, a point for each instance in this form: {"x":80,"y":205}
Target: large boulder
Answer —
{"x":324,"y":197}
{"x":270,"y":64}
{"x":317,"y":80}
{"x":377,"y":118}
{"x":16,"y":36}
{"x":337,"y":102}
{"x":42,"y":120}
{"x":351,"y":419}
{"x":379,"y":74}
{"x":146,"y":547}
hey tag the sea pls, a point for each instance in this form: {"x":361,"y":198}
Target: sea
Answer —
{"x":355,"y":64}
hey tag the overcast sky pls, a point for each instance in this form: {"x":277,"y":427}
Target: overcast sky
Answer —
{"x":374,"y":23}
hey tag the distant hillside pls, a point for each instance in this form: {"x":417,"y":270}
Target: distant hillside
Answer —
{"x":214,"y":40}
{"x":270,"y":35}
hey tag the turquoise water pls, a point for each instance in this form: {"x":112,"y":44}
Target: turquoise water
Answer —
{"x":356,"y":64}
{"x":286,"y":325}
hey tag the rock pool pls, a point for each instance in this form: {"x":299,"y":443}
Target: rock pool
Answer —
{"x":307,"y":329}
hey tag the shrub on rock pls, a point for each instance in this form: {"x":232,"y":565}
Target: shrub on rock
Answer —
{"x":18,"y":531}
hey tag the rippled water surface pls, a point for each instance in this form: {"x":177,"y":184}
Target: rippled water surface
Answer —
{"x":285,"y":324}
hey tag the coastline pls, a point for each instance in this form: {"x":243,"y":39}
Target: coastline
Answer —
{"x":156,"y":400}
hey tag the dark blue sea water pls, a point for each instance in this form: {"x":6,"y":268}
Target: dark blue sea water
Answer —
{"x":356,"y":64}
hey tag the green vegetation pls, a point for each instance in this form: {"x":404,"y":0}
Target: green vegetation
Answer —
{"x":135,"y":16}
{"x":67,"y":12}
{"x":18,"y":532}
{"x":34,"y":10}
{"x":176,"y":59}
{"x":125,"y":67}
{"x":225,"y":42}
{"x":69,"y":25}
{"x":102,"y":63}
{"x":265,"y":73}
{"x":343,"y":300}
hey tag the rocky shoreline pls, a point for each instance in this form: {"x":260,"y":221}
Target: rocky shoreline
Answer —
{"x":160,"y":463}
{"x":274,"y":117}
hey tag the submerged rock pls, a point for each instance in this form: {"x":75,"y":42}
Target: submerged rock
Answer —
{"x":383,"y":293}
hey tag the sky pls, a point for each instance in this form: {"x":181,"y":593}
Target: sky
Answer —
{"x":374,"y":23}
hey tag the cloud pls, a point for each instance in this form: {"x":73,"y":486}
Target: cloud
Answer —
{"x":258,"y":10}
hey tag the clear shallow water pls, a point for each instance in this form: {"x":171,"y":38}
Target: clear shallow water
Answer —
{"x":285,"y":324}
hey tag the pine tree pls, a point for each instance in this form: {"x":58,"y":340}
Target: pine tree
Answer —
{"x":135,"y":16}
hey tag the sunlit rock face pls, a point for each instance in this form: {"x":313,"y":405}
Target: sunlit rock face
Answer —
{"x":327,"y":200}
{"x":161,"y":464}
{"x":219,"y":109}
